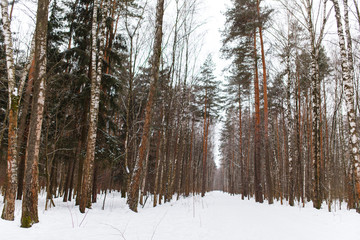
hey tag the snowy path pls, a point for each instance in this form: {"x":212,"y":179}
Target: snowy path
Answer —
{"x":217,"y":216}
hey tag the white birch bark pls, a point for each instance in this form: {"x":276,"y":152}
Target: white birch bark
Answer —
{"x":349,"y":94}
{"x":315,"y":44}
{"x":11,"y":171}
{"x":96,"y":75}
{"x":348,"y":39}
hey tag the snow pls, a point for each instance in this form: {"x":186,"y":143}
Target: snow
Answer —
{"x":217,"y":216}
{"x":15,"y":92}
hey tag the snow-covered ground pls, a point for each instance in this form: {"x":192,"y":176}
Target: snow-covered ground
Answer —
{"x":217,"y":216}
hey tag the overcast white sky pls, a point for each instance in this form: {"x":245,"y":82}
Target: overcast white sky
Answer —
{"x":215,"y":19}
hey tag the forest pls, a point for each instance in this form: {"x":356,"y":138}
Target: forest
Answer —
{"x":115,"y":95}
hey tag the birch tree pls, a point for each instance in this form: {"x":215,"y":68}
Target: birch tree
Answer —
{"x":14,"y":98}
{"x":347,"y":78}
{"x":316,"y":31}
{"x":96,"y":75}
{"x":13,"y":105}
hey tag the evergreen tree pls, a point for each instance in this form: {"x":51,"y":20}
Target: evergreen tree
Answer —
{"x":240,"y":45}
{"x":208,"y":96}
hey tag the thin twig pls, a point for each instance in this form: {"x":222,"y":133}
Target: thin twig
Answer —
{"x":84,"y":218}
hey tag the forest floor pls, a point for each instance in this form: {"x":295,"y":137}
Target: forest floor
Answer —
{"x":217,"y":216}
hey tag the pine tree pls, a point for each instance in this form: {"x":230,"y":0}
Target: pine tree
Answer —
{"x":240,"y":45}
{"x":266,"y":114}
{"x":133,"y":193}
{"x":208,"y":96}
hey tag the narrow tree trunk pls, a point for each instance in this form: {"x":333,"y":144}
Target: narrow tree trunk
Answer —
{"x":69,"y":174}
{"x":23,"y":126}
{"x":257,"y":154}
{"x":189,"y":165}
{"x":96,"y":76}
{"x":266,"y":118}
{"x":280,"y":161}
{"x":157,"y":164}
{"x":144,"y":175}
{"x":30,"y":200}
{"x":71,"y":184}
{"x":298,"y":141}
{"x":94,"y":184}
{"x":135,"y":178}
{"x":204,"y":149}
{"x":78,"y":155}
{"x":315,"y":44}
{"x":23,"y":129}
{"x":11,"y":171}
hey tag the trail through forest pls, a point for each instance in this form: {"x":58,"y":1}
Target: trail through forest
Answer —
{"x":217,"y":216}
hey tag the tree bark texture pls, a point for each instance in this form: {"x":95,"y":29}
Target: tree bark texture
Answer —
{"x":257,"y":154}
{"x":349,"y":96}
{"x":269,"y":186}
{"x":11,"y":171}
{"x":30,"y":199}
{"x":133,"y":194}
{"x":96,"y":75}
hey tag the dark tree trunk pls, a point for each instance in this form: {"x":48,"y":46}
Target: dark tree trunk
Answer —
{"x":269,"y":184}
{"x":257,"y":154}
{"x":24,"y":130}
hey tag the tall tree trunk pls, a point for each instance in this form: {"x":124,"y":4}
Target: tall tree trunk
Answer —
{"x":290,"y":166}
{"x":349,"y":97}
{"x":189,"y":164}
{"x":96,"y":75}
{"x":135,"y":178}
{"x":24,"y":128}
{"x":298,"y":140}
{"x":280,"y":161}
{"x":242,"y":171}
{"x":266,"y":118}
{"x":257,"y":154}
{"x":204,"y":149}
{"x":30,"y":199}
{"x":315,"y":44}
{"x":11,"y":171}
